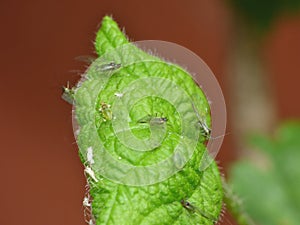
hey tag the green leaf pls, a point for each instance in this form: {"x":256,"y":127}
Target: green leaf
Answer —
{"x":270,"y":186}
{"x":116,"y":203}
{"x":261,"y":15}
{"x":109,"y":36}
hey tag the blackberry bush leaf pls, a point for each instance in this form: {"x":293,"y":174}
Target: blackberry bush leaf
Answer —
{"x":129,"y":184}
{"x":271,"y":190}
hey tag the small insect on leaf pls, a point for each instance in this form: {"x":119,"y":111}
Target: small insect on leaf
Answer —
{"x":91,"y":222}
{"x":89,"y":156}
{"x":193,"y":209}
{"x":68,"y":94}
{"x":187,"y":205}
{"x":109,"y":66}
{"x":153,"y":120}
{"x":205,"y":130}
{"x":90,"y":173}
{"x":105,"y":111}
{"x":119,"y":95}
{"x":158,"y":120}
{"x":86,"y":202}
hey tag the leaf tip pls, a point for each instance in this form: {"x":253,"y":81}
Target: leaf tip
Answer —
{"x":109,"y":36}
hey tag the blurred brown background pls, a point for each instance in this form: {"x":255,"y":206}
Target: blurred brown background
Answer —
{"x":42,"y":179}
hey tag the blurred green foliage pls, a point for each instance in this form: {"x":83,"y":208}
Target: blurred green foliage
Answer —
{"x":269,"y":186}
{"x":260,"y":14}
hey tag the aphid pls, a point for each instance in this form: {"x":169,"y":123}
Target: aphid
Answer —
{"x":153,"y":120}
{"x":86,"y":202}
{"x":203,"y":125}
{"x":110,"y":66}
{"x":119,"y":95}
{"x":88,"y":171}
{"x":187,"y":205}
{"x":77,"y":132}
{"x":105,"y":111}
{"x":158,"y":120}
{"x":91,"y":222}
{"x":68,"y":94}
{"x":89,"y":156}
{"x":193,"y":209}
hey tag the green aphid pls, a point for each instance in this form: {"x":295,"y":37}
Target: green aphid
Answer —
{"x":193,"y":209}
{"x":68,"y":94}
{"x":105,"y":111}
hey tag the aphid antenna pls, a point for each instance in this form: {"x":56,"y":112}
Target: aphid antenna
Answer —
{"x":219,"y":136}
{"x":108,"y":67}
{"x":67,"y":86}
{"x":197,"y":113}
{"x":85,"y":58}
{"x":77,"y":72}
